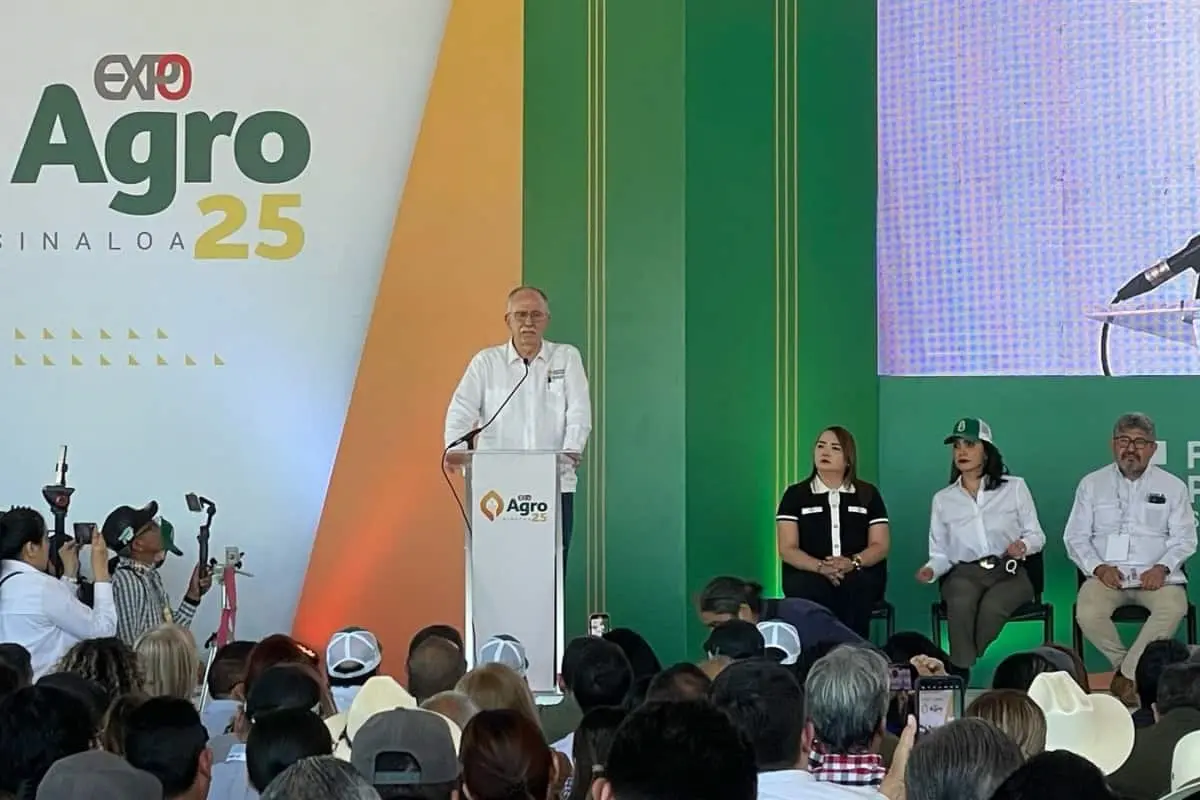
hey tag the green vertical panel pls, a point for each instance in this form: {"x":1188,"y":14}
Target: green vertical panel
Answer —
{"x":1052,"y":432}
{"x":645,"y":352}
{"x":835,"y":225}
{"x":654,"y":166}
{"x":730,"y":292}
{"x":555,"y":210}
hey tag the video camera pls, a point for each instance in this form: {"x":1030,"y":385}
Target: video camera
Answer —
{"x":58,"y":495}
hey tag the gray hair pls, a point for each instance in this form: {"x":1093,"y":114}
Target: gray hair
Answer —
{"x":847,"y":691}
{"x":966,"y":759}
{"x":534,"y":289}
{"x":456,"y":706}
{"x":320,"y":778}
{"x":1135,"y":422}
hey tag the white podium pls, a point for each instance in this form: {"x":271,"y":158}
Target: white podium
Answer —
{"x":514,"y":561}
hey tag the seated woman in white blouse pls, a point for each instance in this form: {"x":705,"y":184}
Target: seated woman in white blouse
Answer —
{"x":981,"y":528}
{"x":42,"y":614}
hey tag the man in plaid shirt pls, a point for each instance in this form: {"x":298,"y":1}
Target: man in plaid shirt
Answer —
{"x":847,"y":692}
{"x":142,"y":541}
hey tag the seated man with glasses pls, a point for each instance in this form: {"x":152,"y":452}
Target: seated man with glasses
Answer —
{"x":1130,"y":531}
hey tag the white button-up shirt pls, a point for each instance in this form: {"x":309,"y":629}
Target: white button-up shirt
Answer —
{"x":1131,"y":525}
{"x":963,"y":528}
{"x":44,"y":616}
{"x":551,"y":410}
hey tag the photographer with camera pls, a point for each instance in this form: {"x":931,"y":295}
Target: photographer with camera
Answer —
{"x":37,"y":611}
{"x":142,"y":541}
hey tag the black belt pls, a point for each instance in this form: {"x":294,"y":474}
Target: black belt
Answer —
{"x":992,"y":562}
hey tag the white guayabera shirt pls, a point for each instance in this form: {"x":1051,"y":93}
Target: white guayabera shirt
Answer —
{"x":551,"y":410}
{"x":1131,"y":525}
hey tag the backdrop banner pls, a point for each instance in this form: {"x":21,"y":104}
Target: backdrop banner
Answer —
{"x":194,"y":212}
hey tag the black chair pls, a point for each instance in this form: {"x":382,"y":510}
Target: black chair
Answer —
{"x":1126,"y":614}
{"x":885,"y":611}
{"x":1035,"y":611}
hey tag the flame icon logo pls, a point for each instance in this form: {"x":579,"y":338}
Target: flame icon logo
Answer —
{"x":491,"y":505}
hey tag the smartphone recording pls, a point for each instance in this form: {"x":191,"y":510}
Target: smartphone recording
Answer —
{"x":902,"y":684}
{"x":939,"y":699}
{"x":83,"y":532}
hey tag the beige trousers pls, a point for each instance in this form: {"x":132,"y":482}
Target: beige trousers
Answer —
{"x":1096,"y":604}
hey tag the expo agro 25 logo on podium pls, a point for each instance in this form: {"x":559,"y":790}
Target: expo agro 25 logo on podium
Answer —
{"x":60,"y":136}
{"x":520,"y":507}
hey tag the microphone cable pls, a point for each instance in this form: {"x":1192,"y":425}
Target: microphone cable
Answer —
{"x":1104,"y":335}
{"x":469,"y":439}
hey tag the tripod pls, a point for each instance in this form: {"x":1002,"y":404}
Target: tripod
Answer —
{"x":225,"y":574}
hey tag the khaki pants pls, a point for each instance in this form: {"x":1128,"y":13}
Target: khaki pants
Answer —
{"x":978,"y":603}
{"x":1094,"y":609}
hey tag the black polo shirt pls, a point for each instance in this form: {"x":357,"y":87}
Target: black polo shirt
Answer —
{"x":832,"y":522}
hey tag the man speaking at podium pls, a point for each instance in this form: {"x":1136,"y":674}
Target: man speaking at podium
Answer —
{"x":525,"y":394}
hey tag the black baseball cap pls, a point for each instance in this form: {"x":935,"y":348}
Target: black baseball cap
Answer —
{"x":735,"y":639}
{"x":125,"y":523}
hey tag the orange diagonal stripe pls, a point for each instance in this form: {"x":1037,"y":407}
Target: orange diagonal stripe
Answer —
{"x":389,"y":548}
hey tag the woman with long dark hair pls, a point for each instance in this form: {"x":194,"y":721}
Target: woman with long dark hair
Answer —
{"x":593,"y":738}
{"x":981,"y":528}
{"x":833,"y":534}
{"x":505,"y":757}
{"x":38,"y":612}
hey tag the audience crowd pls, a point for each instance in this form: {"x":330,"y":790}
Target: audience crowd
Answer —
{"x":784,"y":704}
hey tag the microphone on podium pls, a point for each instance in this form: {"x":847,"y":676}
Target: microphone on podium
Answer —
{"x":1148,"y":280}
{"x":1163,"y":271}
{"x":468,"y":438}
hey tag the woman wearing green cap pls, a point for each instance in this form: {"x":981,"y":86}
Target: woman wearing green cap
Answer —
{"x":981,"y":528}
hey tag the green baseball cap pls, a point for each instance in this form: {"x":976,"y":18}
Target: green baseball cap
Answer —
{"x":971,"y":429}
{"x":168,"y":536}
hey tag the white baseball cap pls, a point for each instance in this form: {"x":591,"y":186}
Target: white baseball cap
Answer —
{"x":506,"y":650}
{"x":355,"y":650}
{"x":781,"y":636}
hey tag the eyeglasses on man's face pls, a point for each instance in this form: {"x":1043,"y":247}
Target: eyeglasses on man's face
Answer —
{"x":1126,"y":442}
{"x":535,"y":317}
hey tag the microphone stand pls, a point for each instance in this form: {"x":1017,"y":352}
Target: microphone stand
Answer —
{"x":469,"y":438}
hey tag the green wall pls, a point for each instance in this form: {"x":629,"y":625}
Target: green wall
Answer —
{"x":699,"y":205}
{"x":1052,"y":431}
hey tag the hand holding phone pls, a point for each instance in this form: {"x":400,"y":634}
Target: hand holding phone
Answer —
{"x":902,"y":679}
{"x":100,"y":572}
{"x":68,"y":554}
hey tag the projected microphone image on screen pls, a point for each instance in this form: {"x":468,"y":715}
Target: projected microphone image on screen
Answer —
{"x":1039,"y":187}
